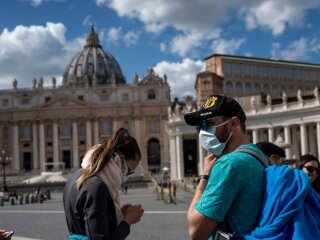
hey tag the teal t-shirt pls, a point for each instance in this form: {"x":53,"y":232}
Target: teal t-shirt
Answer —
{"x":235,"y":190}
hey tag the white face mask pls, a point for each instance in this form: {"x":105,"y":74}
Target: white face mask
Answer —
{"x":210,"y":142}
{"x":125,"y":173}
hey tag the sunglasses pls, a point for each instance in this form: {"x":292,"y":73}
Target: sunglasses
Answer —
{"x":205,"y":123}
{"x":130,"y":170}
{"x":312,"y":169}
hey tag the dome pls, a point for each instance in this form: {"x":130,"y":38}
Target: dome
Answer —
{"x":93,"y":66}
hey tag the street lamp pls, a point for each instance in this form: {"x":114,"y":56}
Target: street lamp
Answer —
{"x":3,"y":161}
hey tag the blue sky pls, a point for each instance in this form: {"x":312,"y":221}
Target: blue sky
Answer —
{"x":38,"y":38}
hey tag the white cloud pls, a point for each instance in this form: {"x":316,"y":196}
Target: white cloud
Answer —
{"x":186,"y":44}
{"x":193,"y":20}
{"x":114,"y":34}
{"x":35,"y":51}
{"x":227,"y":46}
{"x":276,"y":15}
{"x":296,"y":50}
{"x":37,"y":3}
{"x":181,"y":75}
{"x":101,"y":2}
{"x":163,"y":47}
{"x":131,"y":38}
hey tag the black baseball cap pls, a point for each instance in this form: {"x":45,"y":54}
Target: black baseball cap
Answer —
{"x":269,"y":148}
{"x":216,"y":105}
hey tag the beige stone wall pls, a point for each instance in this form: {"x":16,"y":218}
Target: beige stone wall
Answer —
{"x":133,"y":111}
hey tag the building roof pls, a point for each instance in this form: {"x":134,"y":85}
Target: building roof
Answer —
{"x":93,"y":66}
{"x":266,"y":60}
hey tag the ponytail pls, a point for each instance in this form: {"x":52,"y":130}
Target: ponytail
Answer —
{"x":120,"y":142}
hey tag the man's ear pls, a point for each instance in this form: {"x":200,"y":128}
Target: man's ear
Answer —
{"x":235,"y":123}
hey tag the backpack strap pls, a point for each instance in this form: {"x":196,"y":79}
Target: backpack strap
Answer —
{"x":254,"y":154}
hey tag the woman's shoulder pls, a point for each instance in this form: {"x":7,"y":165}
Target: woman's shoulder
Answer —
{"x":94,"y":184}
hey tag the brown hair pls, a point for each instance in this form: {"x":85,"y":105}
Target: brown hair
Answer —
{"x":302,"y":162}
{"x":119,"y":142}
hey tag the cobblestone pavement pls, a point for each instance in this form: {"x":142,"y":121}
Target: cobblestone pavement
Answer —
{"x":47,"y":220}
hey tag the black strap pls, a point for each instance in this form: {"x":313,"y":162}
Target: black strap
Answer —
{"x":254,"y":154}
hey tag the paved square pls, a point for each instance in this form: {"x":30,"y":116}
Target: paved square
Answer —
{"x":47,"y":220}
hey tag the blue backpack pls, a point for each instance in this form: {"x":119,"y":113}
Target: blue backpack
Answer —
{"x":291,"y":207}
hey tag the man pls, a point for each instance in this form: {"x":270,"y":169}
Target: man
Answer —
{"x":230,"y":193}
{"x":275,"y":153}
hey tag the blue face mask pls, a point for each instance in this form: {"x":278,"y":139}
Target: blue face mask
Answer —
{"x":210,"y":142}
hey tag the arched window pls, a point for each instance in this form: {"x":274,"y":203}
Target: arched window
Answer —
{"x":153,"y":126}
{"x":154,"y":160}
{"x":106,"y":127}
{"x":206,"y":85}
{"x":248,"y":88}
{"x":151,"y":94}
{"x":26,"y":131}
{"x":82,"y":129}
{"x":257,"y":87}
{"x":266,"y":88}
{"x":239,"y":88}
{"x":229,"y":87}
{"x":49,"y":131}
{"x":66,"y":130}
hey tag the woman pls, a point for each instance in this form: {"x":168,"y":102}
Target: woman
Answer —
{"x":310,"y":165}
{"x":91,"y":195}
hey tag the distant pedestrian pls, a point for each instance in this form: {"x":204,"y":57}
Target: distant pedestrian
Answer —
{"x":174,"y":189}
{"x":274,"y":152}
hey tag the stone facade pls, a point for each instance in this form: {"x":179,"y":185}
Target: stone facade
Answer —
{"x":285,"y":109}
{"x":54,"y":126}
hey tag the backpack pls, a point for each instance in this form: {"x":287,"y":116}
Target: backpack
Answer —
{"x":291,"y":207}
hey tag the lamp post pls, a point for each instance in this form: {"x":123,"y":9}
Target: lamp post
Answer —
{"x":4,"y":160}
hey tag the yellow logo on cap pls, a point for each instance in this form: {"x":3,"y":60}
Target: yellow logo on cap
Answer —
{"x":210,"y":102}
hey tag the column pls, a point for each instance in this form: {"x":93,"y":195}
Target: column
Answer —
{"x":55,"y":144}
{"x":16,"y":152}
{"x":318,"y":138}
{"x":255,"y":137}
{"x":311,"y":140}
{"x":287,"y":139}
{"x":201,"y":157}
{"x":42,"y":146}
{"x":115,"y":124}
{"x":75,"y":145}
{"x":180,"y":156}
{"x":304,"y":139}
{"x":96,"y":131}
{"x":165,"y":142}
{"x":136,"y":133}
{"x":173,"y":157}
{"x":295,"y":145}
{"x":35,"y":146}
{"x":270,"y":134}
{"x":88,"y":134}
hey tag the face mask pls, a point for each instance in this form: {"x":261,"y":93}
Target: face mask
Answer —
{"x":125,"y":173}
{"x":210,"y":142}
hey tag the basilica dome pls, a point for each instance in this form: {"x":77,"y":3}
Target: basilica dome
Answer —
{"x":93,"y":66}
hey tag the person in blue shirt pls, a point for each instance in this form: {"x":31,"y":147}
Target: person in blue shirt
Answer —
{"x":230,"y":193}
